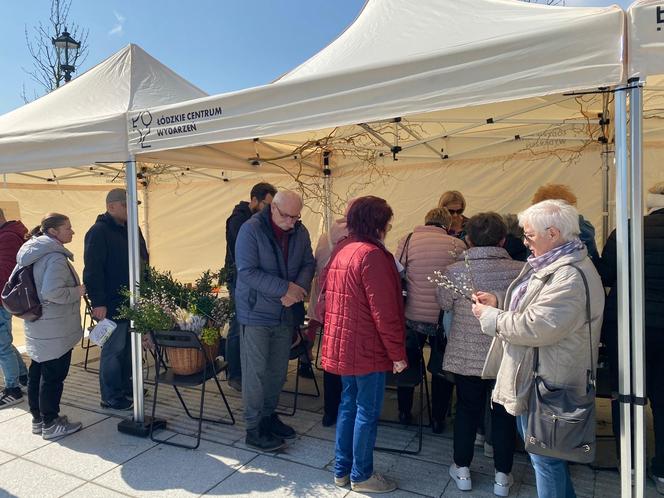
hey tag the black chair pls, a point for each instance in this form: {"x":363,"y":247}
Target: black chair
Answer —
{"x":415,"y":375}
{"x":186,"y":339}
{"x":86,"y":343}
{"x":296,"y":353}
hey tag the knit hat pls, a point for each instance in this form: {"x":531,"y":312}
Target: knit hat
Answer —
{"x":655,"y":197}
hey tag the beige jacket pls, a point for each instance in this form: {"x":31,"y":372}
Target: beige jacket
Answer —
{"x":429,"y":249}
{"x":324,"y":249}
{"x":551,"y":316}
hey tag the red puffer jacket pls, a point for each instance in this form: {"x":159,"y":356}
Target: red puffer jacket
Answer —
{"x":362,"y":310}
{"x":12,"y":236}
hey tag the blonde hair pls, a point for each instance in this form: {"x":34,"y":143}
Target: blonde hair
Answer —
{"x":440,"y":216}
{"x":450,"y":197}
{"x":657,"y":188}
{"x":554,"y":191}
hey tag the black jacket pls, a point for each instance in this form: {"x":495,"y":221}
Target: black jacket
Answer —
{"x":653,"y":262}
{"x":240,"y":214}
{"x":106,"y":257}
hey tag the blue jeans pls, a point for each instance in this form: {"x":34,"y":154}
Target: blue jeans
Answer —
{"x":357,"y":424}
{"x":11,"y":363}
{"x":552,"y":474}
{"x":115,"y":366}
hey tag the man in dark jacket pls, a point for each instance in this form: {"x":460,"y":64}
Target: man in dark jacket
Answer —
{"x":653,"y":239}
{"x":106,"y":272}
{"x":275,"y":267}
{"x":261,"y":195}
{"x":12,"y":236}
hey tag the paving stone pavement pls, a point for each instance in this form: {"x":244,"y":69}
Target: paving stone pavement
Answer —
{"x":101,"y":462}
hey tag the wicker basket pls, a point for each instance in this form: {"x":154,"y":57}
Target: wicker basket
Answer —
{"x":190,"y":361}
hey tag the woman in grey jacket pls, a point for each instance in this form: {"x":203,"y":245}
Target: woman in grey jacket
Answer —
{"x":50,"y":339}
{"x":544,"y":308}
{"x":485,"y":265}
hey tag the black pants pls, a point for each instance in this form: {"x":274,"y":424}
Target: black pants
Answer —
{"x":45,"y":385}
{"x":441,"y":390}
{"x":654,"y":389}
{"x":331,"y":394}
{"x":471,"y":400}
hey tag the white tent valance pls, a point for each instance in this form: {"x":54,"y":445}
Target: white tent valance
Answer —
{"x":84,"y":121}
{"x":646,"y":38}
{"x":398,"y":59}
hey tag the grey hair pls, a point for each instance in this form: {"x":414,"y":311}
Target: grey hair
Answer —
{"x":285,"y":195}
{"x":552,"y":213}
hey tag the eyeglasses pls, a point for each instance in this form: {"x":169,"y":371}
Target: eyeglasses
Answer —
{"x":530,"y":236}
{"x":295,"y":217}
{"x":455,"y":211}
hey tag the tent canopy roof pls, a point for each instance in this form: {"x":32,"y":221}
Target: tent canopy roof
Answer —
{"x":84,"y":121}
{"x":646,"y":38}
{"x":400,"y":59}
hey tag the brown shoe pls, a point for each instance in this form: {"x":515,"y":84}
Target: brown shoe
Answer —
{"x":377,"y":483}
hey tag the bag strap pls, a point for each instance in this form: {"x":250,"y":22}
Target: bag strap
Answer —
{"x":405,"y":250}
{"x":591,"y":371}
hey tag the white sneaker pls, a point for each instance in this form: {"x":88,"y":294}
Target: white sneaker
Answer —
{"x":60,"y":427}
{"x":488,"y":450}
{"x":502,"y":484}
{"x":461,"y":476}
{"x":479,"y":439}
{"x":659,"y":483}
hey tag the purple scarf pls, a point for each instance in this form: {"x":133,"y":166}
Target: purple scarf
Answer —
{"x":538,"y":263}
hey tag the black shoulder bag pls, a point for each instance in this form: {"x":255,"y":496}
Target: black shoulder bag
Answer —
{"x":561,"y":423}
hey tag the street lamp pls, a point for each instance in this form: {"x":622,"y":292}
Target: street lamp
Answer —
{"x":67,"y":50}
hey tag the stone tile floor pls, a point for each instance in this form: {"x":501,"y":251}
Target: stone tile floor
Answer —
{"x":101,"y":462}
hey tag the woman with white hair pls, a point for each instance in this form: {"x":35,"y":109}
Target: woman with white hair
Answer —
{"x":544,"y":310}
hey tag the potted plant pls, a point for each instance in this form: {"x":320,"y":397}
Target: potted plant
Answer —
{"x":167,"y":304}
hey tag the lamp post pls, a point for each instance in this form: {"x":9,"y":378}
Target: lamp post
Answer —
{"x":67,"y":50}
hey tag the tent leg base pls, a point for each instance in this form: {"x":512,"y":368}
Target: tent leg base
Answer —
{"x":141,"y":429}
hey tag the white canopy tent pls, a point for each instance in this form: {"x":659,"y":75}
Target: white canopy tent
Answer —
{"x":645,"y":43}
{"x":85,"y":121}
{"x":398,"y":60}
{"x":462,"y":88}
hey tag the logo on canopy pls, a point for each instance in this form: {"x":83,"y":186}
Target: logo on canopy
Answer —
{"x":141,"y":123}
{"x":660,"y":17}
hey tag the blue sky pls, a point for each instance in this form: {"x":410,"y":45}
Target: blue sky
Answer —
{"x":219,"y":45}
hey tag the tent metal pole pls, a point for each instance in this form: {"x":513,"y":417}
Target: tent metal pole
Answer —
{"x":134,"y":278}
{"x":146,"y":214}
{"x":139,"y":424}
{"x":606,"y":171}
{"x":622,"y":248}
{"x":637,"y":283}
{"x":327,"y":218}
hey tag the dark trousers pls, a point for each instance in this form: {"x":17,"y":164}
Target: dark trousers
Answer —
{"x":441,"y":390}
{"x":232,"y":353}
{"x":471,"y":400}
{"x":331,"y":394}
{"x":115,"y":366}
{"x":655,"y":393}
{"x":45,"y":384}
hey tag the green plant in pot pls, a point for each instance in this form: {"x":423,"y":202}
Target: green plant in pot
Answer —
{"x":167,"y":304}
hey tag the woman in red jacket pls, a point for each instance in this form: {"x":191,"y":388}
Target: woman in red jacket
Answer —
{"x":362,"y":309}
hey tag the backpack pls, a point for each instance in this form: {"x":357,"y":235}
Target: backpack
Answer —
{"x":19,"y":296}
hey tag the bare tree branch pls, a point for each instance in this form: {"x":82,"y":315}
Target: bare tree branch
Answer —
{"x":45,"y":71}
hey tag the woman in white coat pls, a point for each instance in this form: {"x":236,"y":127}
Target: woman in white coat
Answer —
{"x":544,"y":308}
{"x":50,"y":339}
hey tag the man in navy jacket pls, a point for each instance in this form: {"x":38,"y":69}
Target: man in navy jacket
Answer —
{"x":106,"y":272}
{"x":275,"y":267}
{"x":261,"y":194}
